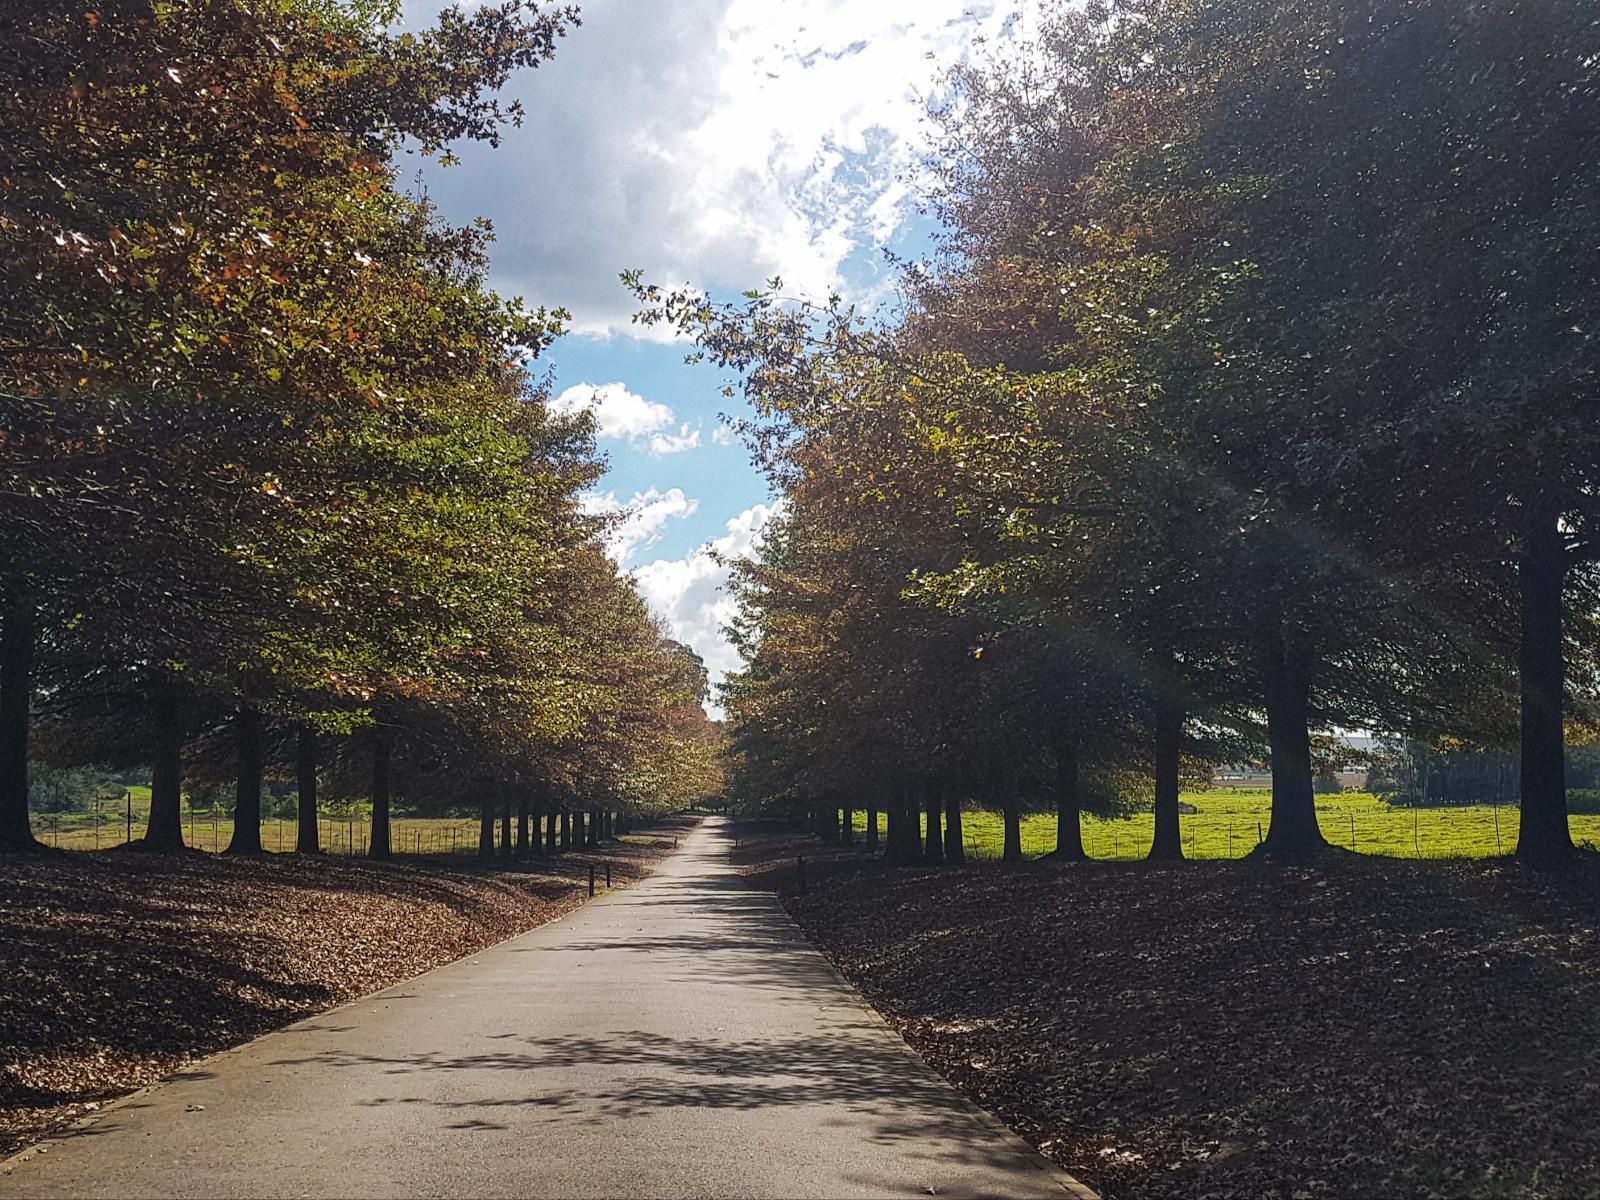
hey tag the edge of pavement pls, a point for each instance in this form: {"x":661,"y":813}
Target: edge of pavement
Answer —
{"x":83,"y":1123}
{"x":1003,"y":1133}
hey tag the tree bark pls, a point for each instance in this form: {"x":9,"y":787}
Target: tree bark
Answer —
{"x":904,"y":844}
{"x":382,"y":754}
{"x":847,"y":825}
{"x":522,"y":823}
{"x":247,"y":798}
{"x":164,"y":831}
{"x":1542,"y":574}
{"x":17,"y":638}
{"x":955,"y":849}
{"x":305,"y":777}
{"x":933,"y":831}
{"x":872,"y":825}
{"x":486,"y":824}
{"x":1293,"y":832}
{"x":1011,"y":815}
{"x":552,"y":835}
{"x":1069,"y":802}
{"x":566,"y":830}
{"x":502,"y":796}
{"x":1168,"y":843}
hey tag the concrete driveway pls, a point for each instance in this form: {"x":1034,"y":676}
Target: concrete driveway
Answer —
{"x":678,"y":1039}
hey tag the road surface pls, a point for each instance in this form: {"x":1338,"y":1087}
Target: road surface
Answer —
{"x":677,"y":1039}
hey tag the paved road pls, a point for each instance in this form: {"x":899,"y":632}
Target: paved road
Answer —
{"x":678,"y":1039}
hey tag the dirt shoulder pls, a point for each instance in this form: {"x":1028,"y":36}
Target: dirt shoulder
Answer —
{"x":120,"y":967}
{"x":1363,"y":1027}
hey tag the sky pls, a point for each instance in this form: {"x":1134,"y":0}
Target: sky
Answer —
{"x":714,"y":143}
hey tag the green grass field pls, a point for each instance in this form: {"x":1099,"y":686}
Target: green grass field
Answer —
{"x":205,"y":830}
{"x":1227,"y":824}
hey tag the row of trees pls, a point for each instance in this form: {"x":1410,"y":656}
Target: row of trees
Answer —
{"x":1251,"y":393}
{"x":274,"y":471}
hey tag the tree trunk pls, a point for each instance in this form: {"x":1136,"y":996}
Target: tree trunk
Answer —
{"x":1069,"y":804}
{"x":872,"y":825}
{"x":1545,"y":836}
{"x":847,"y":825}
{"x":522,"y":823}
{"x":1293,"y":832}
{"x":955,"y":849}
{"x":904,"y":843}
{"x":830,"y":825}
{"x":486,"y":824}
{"x":566,"y":830}
{"x":305,"y":777}
{"x":933,"y":832}
{"x":502,"y":796}
{"x":1168,"y":844}
{"x":594,"y":827}
{"x":17,"y":638}
{"x":1011,"y":814}
{"x":247,"y":798}
{"x":165,"y":828}
{"x":552,"y":835}
{"x":382,"y":753}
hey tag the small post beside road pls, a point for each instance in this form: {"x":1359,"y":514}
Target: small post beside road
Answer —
{"x":608,"y":877}
{"x":591,"y":879}
{"x":1352,"y":831}
{"x":800,"y":872}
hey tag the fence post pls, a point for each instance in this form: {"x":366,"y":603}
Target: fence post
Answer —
{"x":1416,"y":836}
{"x":591,"y":879}
{"x":1352,"y":832}
{"x":608,"y":877}
{"x":800,"y":872}
{"x":127,"y":794}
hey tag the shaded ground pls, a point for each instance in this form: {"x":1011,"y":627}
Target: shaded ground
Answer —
{"x":1367,"y":1027}
{"x":681,"y":1038}
{"x":119,"y":966}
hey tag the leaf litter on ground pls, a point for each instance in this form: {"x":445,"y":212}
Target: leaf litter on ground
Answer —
{"x":122,"y":966}
{"x":1362,"y":1026}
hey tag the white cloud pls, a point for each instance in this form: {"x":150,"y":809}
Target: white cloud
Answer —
{"x":625,"y":416}
{"x":723,"y":436}
{"x":672,"y":443}
{"x":643,"y":518}
{"x":690,"y":593}
{"x":618,"y":413}
{"x":720,"y":143}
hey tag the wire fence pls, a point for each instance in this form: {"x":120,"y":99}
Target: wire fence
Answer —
{"x":107,"y":826}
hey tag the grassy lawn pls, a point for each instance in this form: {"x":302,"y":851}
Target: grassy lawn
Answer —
{"x":1227,"y":822}
{"x":204,"y":830}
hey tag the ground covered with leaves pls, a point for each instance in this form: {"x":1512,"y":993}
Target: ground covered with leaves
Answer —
{"x":122,"y":966}
{"x":1360,"y":1027}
